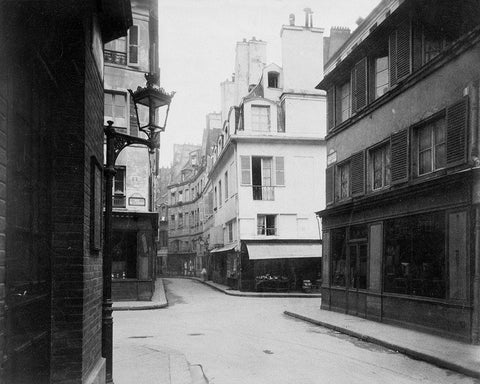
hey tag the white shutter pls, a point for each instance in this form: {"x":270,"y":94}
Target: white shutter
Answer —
{"x":246,"y":170}
{"x":279,"y":171}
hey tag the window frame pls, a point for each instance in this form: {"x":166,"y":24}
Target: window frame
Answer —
{"x":431,"y":123}
{"x":133,"y":45}
{"x":255,"y":125}
{"x":339,"y":181}
{"x":113,"y":117}
{"x":386,"y":171}
{"x":263,"y":230}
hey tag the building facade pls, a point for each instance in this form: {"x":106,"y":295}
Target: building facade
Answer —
{"x":401,"y":228}
{"x":267,"y":166}
{"x":51,"y":176}
{"x":135,"y":222}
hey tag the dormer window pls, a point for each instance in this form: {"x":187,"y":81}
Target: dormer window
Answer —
{"x":273,"y":79}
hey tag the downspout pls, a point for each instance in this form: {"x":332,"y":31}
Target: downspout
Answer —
{"x":475,"y":140}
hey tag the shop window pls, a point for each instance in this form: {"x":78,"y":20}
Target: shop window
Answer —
{"x":379,"y":167}
{"x":266,"y":225}
{"x":414,"y":255}
{"x":261,"y":118}
{"x":430,"y":147}
{"x":338,"y":257}
{"x":342,"y":181}
{"x":124,"y":255}
{"x":115,"y":107}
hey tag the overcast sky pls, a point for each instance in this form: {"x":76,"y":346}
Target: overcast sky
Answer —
{"x":197,"y":49}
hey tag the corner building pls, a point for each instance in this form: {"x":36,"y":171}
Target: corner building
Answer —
{"x":401,"y":229}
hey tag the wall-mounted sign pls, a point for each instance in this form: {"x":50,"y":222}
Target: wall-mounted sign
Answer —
{"x":137,"y":201}
{"x":332,"y":157}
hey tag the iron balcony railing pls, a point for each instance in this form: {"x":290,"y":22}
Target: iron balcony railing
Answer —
{"x":119,"y":201}
{"x":263,"y":192}
{"x":266,"y":231}
{"x":115,"y":57}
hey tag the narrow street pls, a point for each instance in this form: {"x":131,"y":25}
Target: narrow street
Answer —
{"x":249,"y":340}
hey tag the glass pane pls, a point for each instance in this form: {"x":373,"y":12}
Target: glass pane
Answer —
{"x":439,"y":131}
{"x":353,"y":267}
{"x":440,"y":157}
{"x":362,"y":267}
{"x":424,"y":138}
{"x":425,"y":162}
{"x":121,"y":44}
{"x":382,"y":64}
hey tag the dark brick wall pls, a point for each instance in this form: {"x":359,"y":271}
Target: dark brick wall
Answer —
{"x":92,"y":298}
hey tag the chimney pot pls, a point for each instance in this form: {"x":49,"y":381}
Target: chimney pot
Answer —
{"x":292,"y":19}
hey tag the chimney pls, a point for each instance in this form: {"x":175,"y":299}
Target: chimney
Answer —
{"x":308,"y":18}
{"x":292,"y":19}
{"x":360,"y":20}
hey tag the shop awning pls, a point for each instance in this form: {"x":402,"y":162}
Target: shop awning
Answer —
{"x":283,"y":251}
{"x":223,"y":249}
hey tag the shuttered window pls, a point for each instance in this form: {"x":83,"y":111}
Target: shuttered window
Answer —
{"x":357,"y":173}
{"x":329,"y":184}
{"x":456,"y":132}
{"x":133,"y":38}
{"x":331,"y":108}
{"x":359,"y":85}
{"x":399,"y":157}
{"x":246,"y":170}
{"x":279,"y":171}
{"x":400,"y":52}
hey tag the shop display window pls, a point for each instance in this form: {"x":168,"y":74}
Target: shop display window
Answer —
{"x":339,"y":257}
{"x":414,"y":256}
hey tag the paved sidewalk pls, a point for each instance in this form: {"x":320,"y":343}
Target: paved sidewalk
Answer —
{"x":445,"y":353}
{"x":159,"y":300}
{"x":234,"y":292}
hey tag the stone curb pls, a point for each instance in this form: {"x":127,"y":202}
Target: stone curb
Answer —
{"x":434,"y":360}
{"x":247,"y":294}
{"x":144,"y":307}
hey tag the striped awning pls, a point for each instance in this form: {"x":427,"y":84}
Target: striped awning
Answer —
{"x":264,"y":251}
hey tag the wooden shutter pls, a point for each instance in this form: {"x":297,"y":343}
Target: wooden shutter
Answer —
{"x":357,"y":173}
{"x":457,"y":117}
{"x":279,"y":171}
{"x":399,"y":157}
{"x":329,"y":184}
{"x":133,"y":39}
{"x":359,"y":85}
{"x":246,"y":169}
{"x":417,"y":50}
{"x":392,"y":57}
{"x":331,"y":108}
{"x":403,"y":49}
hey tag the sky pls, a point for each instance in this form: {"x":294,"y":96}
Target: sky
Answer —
{"x":197,"y":40}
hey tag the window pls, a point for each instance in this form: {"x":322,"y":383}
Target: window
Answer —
{"x":266,"y":225}
{"x":215,"y":198}
{"x":431,"y":147}
{"x":116,"y":51}
{"x":381,"y":76}
{"x":119,"y":181}
{"x":226,"y":185}
{"x":220,"y":193}
{"x":414,"y":255}
{"x":180,"y":220}
{"x":342,"y":181}
{"x":180,"y":196}
{"x":230,"y":231}
{"x":115,"y":109}
{"x":272,"y":79}
{"x":133,"y":38}
{"x":345,"y":103}
{"x":262,"y":178}
{"x":172,"y":221}
{"x":379,"y":167}
{"x":172,"y":198}
{"x":260,"y":118}
{"x":339,"y":257}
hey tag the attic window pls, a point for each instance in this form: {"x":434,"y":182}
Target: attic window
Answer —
{"x":273,"y":79}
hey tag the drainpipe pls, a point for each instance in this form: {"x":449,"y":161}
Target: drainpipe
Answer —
{"x":475,"y":140}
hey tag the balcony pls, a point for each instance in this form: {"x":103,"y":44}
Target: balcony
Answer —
{"x":262,"y":231}
{"x":119,"y":201}
{"x":262,"y":192}
{"x":115,"y":57}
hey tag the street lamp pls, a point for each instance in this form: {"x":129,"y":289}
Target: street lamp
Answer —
{"x":148,"y":101}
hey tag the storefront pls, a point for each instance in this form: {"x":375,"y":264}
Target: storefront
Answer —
{"x":133,"y":256}
{"x":279,"y":265}
{"x":405,"y":260}
{"x":224,"y":265}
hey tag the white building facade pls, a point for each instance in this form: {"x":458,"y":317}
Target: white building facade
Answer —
{"x":268,"y":166}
